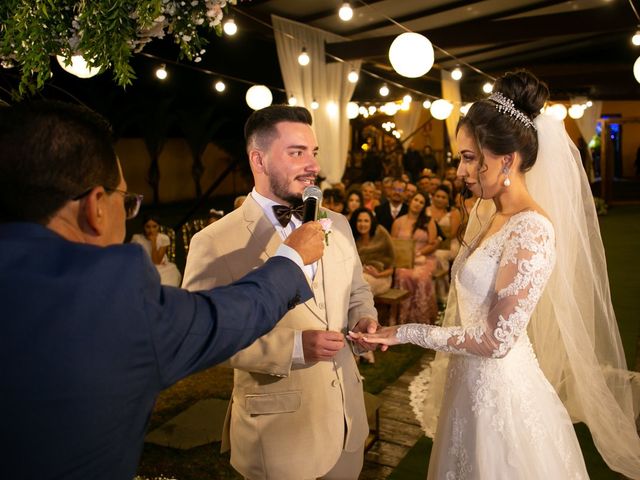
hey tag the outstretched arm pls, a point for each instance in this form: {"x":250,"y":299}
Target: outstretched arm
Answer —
{"x":525,"y":266}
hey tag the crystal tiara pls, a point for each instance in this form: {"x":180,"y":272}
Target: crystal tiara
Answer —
{"x":505,"y":105}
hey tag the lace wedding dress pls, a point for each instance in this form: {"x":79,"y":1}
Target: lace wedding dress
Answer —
{"x":500,"y":417}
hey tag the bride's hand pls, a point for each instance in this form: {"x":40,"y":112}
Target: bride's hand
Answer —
{"x":384,"y":336}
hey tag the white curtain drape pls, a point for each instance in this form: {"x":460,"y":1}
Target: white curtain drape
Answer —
{"x":326,"y":83}
{"x":451,"y":92}
{"x":408,"y":122}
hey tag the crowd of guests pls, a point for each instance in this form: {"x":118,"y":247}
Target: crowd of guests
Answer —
{"x":427,"y":213}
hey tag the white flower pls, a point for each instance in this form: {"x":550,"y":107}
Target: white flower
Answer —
{"x":326,"y":227}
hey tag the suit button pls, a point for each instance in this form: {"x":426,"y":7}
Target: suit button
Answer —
{"x":334,"y":383}
{"x":321,"y":306}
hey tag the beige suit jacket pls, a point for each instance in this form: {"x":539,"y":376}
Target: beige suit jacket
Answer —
{"x":288,"y":421}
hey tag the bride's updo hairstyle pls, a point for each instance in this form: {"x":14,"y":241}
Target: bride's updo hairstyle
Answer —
{"x":503,"y":127}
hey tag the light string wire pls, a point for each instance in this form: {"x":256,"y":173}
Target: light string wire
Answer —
{"x":633,"y":7}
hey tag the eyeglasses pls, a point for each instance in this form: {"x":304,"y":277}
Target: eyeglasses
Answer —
{"x":132,"y":201}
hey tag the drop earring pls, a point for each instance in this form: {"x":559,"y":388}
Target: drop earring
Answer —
{"x":506,"y":181}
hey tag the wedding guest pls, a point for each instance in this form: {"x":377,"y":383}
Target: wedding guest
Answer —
{"x":374,"y":248}
{"x":214,"y":215}
{"x":394,"y":207}
{"x":333,"y":199}
{"x":89,"y":336}
{"x":297,"y":396}
{"x":239,"y":200}
{"x":368,"y":190}
{"x":354,"y":201}
{"x":421,"y":306}
{"x":156,"y":244}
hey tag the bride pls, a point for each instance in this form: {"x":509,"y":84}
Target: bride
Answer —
{"x":529,"y":341}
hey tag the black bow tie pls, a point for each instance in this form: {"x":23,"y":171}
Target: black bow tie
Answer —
{"x":283,"y":214}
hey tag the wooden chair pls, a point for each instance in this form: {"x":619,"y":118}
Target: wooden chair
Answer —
{"x":189,"y":229}
{"x":404,"y":251}
{"x":171,"y":250}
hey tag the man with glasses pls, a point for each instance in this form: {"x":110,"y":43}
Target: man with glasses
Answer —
{"x":89,"y":336}
{"x":394,"y":207}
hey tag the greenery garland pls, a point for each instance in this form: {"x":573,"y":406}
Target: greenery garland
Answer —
{"x":105,"y":32}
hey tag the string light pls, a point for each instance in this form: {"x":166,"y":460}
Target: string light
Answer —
{"x":303,"y":58}
{"x":161,"y":72}
{"x":456,"y":73}
{"x":293,"y":101}
{"x":314,"y":104}
{"x":636,"y":39}
{"x":230,"y":27}
{"x":353,"y":76}
{"x":384,"y":90}
{"x":346,"y":12}
{"x":220,"y":86}
{"x":426,"y":104}
{"x":487,"y":87}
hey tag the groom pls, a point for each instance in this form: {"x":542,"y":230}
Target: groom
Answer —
{"x":297,"y":410}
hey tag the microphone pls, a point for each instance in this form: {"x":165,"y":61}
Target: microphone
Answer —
{"x":311,"y":199}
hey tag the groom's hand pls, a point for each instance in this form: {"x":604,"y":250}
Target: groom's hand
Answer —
{"x":367,"y":325}
{"x":308,"y":241}
{"x":321,"y":345}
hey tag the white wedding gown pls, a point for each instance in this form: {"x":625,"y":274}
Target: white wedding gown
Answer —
{"x":500,"y":417}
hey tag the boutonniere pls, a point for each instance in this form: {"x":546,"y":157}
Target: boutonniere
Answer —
{"x":325,"y":222}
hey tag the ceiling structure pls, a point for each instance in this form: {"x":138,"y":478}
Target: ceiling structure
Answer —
{"x":579,"y":47}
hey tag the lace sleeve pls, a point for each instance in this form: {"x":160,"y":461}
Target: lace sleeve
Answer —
{"x":525,"y":266}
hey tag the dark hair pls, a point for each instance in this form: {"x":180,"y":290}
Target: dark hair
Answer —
{"x":334,"y":194}
{"x":261,"y":124}
{"x":501,"y":133}
{"x":50,"y":153}
{"x":444,"y":188}
{"x":353,"y":221}
{"x":153,"y":217}
{"x":422,"y":222}
{"x":353,"y":191}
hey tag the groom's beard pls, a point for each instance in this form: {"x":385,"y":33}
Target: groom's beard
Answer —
{"x":281,"y":189}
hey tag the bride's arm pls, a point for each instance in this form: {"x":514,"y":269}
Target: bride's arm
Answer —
{"x":525,"y":266}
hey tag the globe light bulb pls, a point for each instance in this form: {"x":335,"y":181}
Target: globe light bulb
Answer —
{"x":353,"y":76}
{"x":314,"y":105}
{"x":426,"y":104}
{"x":456,"y":74}
{"x":293,"y":101}
{"x":230,"y":27}
{"x":384,"y":90}
{"x":303,"y":58}
{"x":259,"y":96}
{"x":78,"y":66}
{"x":636,"y":39}
{"x":161,"y":72}
{"x":346,"y":12}
{"x":411,"y":55}
{"x":220,"y":86}
{"x":487,"y":87}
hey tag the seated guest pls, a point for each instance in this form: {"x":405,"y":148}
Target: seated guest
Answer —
{"x":238,"y":201}
{"x":333,"y":199}
{"x":369,"y":192}
{"x":374,"y":248}
{"x":421,"y":306}
{"x":354,"y":201}
{"x":447,"y":223}
{"x":156,"y":244}
{"x":394,"y":207}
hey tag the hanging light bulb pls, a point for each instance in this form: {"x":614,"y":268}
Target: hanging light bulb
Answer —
{"x":353,"y":76}
{"x":384,"y":90}
{"x":456,"y":73}
{"x":487,"y":87}
{"x":314,"y":104}
{"x":426,"y":104}
{"x":589,"y":103}
{"x":557,"y":111}
{"x":78,"y":66}
{"x":230,"y":27}
{"x":372,"y":109}
{"x":161,"y":72}
{"x":636,"y":39}
{"x":352,"y":110}
{"x":259,"y":96}
{"x":346,"y":12}
{"x":293,"y":101}
{"x":576,"y":111}
{"x":303,"y":58}
{"x":220,"y":86}
{"x":441,"y":109}
{"x":636,"y":69}
{"x":407,"y":99}
{"x":411,"y":55}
